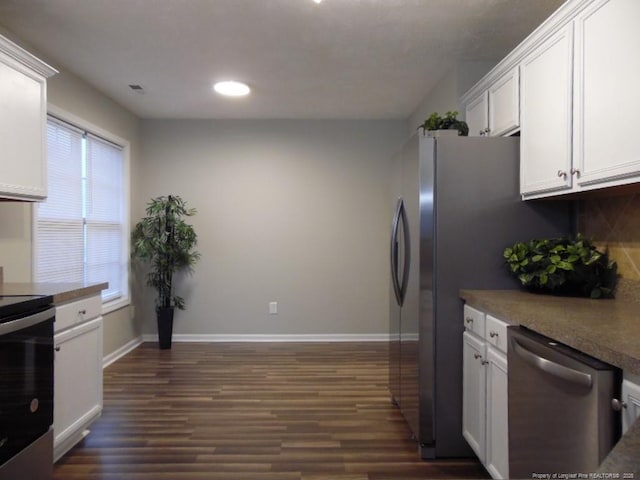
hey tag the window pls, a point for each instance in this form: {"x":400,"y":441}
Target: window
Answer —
{"x":81,"y":231}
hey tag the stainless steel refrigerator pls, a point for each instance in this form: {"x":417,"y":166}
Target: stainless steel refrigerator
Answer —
{"x":456,"y":206}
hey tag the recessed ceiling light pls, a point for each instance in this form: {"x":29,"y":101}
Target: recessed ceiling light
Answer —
{"x":317,"y":1}
{"x":232,"y":88}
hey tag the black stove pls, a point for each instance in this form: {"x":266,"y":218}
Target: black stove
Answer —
{"x":17,"y":305}
{"x":26,"y":386}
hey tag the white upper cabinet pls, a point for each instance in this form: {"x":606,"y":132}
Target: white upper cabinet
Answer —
{"x":577,"y":99}
{"x":606,"y":140}
{"x":504,"y":105}
{"x":23,"y":112}
{"x":477,"y":114}
{"x":495,"y":110}
{"x":546,"y":99}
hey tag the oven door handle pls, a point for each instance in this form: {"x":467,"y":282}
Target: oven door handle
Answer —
{"x":25,"y":322}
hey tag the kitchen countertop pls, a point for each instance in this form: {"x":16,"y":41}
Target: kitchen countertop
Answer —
{"x":608,"y":329}
{"x":62,"y":292}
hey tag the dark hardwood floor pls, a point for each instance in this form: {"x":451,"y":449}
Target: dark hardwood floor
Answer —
{"x":255,"y":411}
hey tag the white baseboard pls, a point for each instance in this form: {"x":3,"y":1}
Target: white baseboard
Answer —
{"x":122,"y":351}
{"x":209,"y":338}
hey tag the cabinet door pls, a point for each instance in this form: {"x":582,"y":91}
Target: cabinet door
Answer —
{"x":504,"y":104}
{"x":77,"y":384}
{"x":631,"y":399}
{"x":607,"y":144}
{"x":474,"y":393}
{"x":497,"y":459}
{"x":477,"y":115}
{"x":22,"y":131}
{"x":545,"y":115}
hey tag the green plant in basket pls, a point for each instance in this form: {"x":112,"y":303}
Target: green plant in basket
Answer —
{"x":448,"y":122}
{"x":563,"y":266}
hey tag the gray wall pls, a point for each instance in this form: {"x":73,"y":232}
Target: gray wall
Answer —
{"x":288,"y":211}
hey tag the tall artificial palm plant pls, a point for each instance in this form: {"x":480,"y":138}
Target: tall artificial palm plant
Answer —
{"x":166,"y":243}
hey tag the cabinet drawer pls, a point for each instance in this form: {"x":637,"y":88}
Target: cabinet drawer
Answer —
{"x":73,"y":313}
{"x":496,"y":333}
{"x":474,"y":320}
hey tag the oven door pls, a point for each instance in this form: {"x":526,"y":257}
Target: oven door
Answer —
{"x":26,"y":379}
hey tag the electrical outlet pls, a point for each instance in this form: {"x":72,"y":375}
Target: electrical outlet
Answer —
{"x":273,"y":308}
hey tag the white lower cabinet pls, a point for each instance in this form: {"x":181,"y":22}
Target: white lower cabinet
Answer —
{"x":77,"y":378}
{"x":630,"y":400}
{"x":497,"y":455}
{"x":474,"y":393}
{"x":485,"y":420}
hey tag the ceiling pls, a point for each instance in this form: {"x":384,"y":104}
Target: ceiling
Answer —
{"x":355,"y":59}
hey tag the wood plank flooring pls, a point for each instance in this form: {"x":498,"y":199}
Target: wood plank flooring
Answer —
{"x":255,"y":411}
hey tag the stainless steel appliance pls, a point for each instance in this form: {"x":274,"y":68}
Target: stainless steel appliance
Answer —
{"x":456,"y":207}
{"x":26,"y":387}
{"x":561,"y":418}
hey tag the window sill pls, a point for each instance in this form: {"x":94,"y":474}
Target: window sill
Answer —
{"x":116,"y":304}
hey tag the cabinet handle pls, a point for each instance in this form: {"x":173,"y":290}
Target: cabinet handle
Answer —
{"x":477,"y":356}
{"x":82,"y":312}
{"x":618,"y":405}
{"x":562,"y":174}
{"x":484,"y":362}
{"x":487,"y":130}
{"x":469,"y":320}
{"x":57,"y":349}
{"x":493,"y":334}
{"x":576,"y":172}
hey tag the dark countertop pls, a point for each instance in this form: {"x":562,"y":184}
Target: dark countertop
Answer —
{"x":62,"y":292}
{"x":605,"y":329}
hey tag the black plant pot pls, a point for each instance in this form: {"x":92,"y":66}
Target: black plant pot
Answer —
{"x":165,"y":327}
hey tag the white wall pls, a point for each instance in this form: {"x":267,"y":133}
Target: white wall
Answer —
{"x":288,"y":211}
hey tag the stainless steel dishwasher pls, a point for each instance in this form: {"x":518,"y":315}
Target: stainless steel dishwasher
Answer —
{"x":561,"y":418}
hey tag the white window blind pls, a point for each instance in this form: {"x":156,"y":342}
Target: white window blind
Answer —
{"x":80,"y":234}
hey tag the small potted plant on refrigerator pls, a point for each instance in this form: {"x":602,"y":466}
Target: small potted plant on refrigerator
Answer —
{"x":449,"y":123}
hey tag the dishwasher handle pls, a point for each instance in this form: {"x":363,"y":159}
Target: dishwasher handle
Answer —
{"x":552,"y":368}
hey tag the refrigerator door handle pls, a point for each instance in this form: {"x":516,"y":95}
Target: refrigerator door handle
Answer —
{"x":407,"y":252}
{"x":557,"y":370}
{"x":394,"y":253}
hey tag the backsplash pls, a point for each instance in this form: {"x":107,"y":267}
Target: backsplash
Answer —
{"x":614,"y":222}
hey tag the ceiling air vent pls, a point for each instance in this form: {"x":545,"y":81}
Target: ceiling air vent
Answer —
{"x":136,"y":88}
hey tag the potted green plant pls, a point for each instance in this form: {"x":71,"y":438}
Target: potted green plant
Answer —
{"x":448,"y":122}
{"x":563,"y":266}
{"x":165,"y":242}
